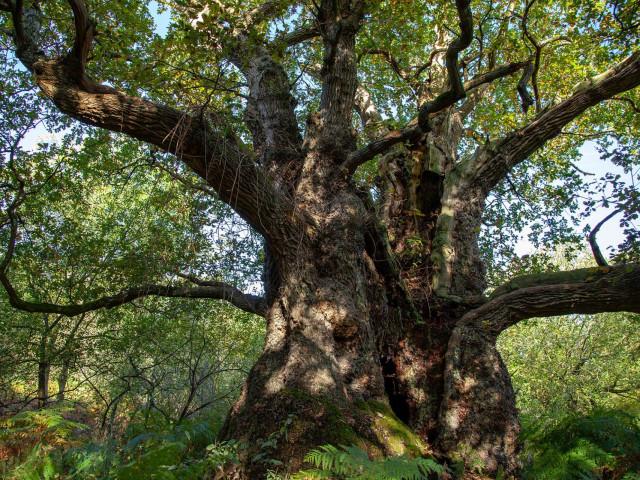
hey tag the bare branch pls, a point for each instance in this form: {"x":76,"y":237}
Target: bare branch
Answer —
{"x":600,"y":260}
{"x":456,"y":92}
{"x":627,"y":100}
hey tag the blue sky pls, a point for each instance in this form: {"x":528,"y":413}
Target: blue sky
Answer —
{"x":162,"y":19}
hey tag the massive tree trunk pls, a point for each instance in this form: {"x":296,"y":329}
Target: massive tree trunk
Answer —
{"x":378,"y":333}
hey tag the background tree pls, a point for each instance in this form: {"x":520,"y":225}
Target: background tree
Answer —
{"x":373,"y":285}
{"x":574,"y":363}
{"x":73,"y":238}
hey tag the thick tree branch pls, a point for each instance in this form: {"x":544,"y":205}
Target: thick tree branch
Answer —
{"x":85,"y":28}
{"x":372,"y":122}
{"x":477,"y":389}
{"x":295,"y":37}
{"x":213,"y":290}
{"x":456,"y":91}
{"x":548,"y":278}
{"x":339,"y":22}
{"x":432,"y":55}
{"x":219,"y":159}
{"x":532,"y":75}
{"x":270,"y":111}
{"x":26,"y":32}
{"x":85,"y":32}
{"x":220,"y":291}
{"x":587,"y":290}
{"x":388,"y":56}
{"x":412,"y":131}
{"x":499,"y":72}
{"x":525,"y":97}
{"x":492,"y":162}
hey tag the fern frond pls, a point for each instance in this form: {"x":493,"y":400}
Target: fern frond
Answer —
{"x":353,"y":463}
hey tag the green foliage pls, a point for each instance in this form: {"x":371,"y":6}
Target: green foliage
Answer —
{"x":105,"y":212}
{"x":574,"y":377}
{"x":573,"y":363}
{"x":602,"y":444}
{"x":268,"y":447}
{"x":35,"y":464}
{"x":46,"y":446}
{"x":39,"y":426}
{"x":92,"y":460}
{"x":31,"y":437}
{"x":350,"y":462}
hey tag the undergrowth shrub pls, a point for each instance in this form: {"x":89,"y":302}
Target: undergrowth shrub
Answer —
{"x":29,"y":440}
{"x":43,"y":445}
{"x":603,"y":445}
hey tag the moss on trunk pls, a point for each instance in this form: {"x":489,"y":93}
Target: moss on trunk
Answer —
{"x":279,"y":432}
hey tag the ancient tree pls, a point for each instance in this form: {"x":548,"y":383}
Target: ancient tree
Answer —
{"x":369,"y":137}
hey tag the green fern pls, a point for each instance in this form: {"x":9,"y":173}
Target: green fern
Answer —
{"x":352,"y":463}
{"x":35,"y":464}
{"x":35,"y":439}
{"x":38,"y":426}
{"x":583,"y":447}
